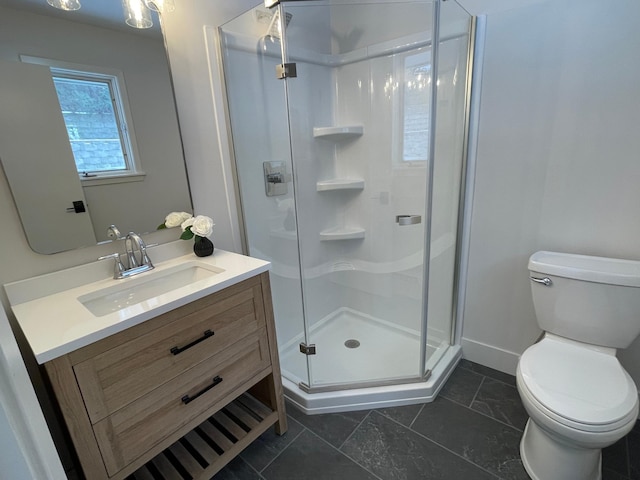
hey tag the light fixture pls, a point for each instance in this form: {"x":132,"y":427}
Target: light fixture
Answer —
{"x":136,"y":14}
{"x":161,"y":6}
{"x":65,"y":4}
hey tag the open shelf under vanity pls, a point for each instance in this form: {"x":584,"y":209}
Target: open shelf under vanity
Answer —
{"x":207,"y":448}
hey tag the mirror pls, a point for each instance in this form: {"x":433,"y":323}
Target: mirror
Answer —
{"x":61,"y":204}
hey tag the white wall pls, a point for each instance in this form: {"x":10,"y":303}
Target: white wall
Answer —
{"x":557,"y":162}
{"x":12,"y":460}
{"x":196,"y":73}
{"x":26,"y":448}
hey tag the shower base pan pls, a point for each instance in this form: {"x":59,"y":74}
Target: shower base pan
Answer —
{"x":358,"y":350}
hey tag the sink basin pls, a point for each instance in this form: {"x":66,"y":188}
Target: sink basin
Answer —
{"x":145,"y":287}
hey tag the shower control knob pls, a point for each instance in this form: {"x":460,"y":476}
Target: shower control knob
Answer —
{"x":275,"y":178}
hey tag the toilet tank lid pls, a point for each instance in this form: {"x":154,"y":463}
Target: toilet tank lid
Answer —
{"x":613,"y":271}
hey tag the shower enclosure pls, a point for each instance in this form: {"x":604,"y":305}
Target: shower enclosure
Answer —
{"x":349,"y":121}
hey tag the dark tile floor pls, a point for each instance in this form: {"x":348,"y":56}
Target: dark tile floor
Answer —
{"x":471,"y":431}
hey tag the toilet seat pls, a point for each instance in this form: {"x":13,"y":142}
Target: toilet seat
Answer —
{"x":577,"y":386}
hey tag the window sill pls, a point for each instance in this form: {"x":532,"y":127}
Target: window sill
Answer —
{"x":110,"y":179}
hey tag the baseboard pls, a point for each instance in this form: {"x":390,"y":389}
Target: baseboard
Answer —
{"x":490,"y":356}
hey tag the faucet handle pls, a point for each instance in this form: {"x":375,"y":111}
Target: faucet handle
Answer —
{"x":145,"y":260}
{"x":114,"y":233}
{"x":118,"y":267}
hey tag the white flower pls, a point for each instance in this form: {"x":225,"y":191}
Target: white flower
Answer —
{"x":202,"y":226}
{"x":175,"y":219}
{"x":187,"y":223}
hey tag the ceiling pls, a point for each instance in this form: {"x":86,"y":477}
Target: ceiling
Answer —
{"x":102,"y":13}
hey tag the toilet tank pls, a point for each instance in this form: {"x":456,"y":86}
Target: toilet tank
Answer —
{"x":594,"y":300}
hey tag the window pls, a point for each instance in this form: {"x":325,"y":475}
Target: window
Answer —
{"x":97,"y":131}
{"x":89,"y":110}
{"x":417,"y":107}
{"x":96,"y":115}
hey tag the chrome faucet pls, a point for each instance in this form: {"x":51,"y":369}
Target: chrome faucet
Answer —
{"x":114,"y":233}
{"x":138,"y":260}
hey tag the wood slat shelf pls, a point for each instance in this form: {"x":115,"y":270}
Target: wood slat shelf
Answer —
{"x":210,"y":446}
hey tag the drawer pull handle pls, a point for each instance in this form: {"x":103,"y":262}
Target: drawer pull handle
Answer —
{"x":177,"y":350}
{"x":187,"y":399}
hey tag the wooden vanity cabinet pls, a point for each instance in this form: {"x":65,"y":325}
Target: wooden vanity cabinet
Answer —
{"x":184,"y":392}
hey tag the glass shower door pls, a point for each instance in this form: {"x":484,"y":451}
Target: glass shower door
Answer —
{"x":359,"y":111}
{"x":259,"y":127}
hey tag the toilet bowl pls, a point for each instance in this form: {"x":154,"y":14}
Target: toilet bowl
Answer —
{"x":579,"y":400}
{"x":578,"y":396}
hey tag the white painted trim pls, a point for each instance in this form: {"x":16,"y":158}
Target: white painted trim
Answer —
{"x":490,"y":356}
{"x":212,"y":46}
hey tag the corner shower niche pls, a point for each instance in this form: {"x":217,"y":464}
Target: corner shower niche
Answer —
{"x":337,"y":134}
{"x":340,"y":184}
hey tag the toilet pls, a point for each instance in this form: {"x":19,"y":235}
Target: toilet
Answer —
{"x":578,"y":396}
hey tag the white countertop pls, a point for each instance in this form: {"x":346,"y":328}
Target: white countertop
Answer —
{"x":55,"y":322}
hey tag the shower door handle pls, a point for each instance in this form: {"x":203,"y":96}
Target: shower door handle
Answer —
{"x":403,"y":220}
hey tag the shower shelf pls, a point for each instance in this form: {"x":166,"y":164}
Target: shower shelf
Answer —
{"x":338,"y":133}
{"x":347,"y":233}
{"x":340,"y":184}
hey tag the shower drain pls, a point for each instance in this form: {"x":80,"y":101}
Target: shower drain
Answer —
{"x":352,"y":343}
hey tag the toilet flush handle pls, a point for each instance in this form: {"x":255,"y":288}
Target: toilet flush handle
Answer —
{"x":546,"y":281}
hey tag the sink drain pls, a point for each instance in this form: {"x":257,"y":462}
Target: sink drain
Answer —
{"x":352,"y":343}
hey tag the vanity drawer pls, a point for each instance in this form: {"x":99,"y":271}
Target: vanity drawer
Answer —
{"x":133,"y":430}
{"x":125,"y":369}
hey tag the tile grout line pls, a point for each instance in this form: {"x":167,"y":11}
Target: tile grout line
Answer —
{"x":477,"y":391}
{"x":457,"y":454}
{"x":281,"y":451}
{"x":473,"y":400}
{"x":484,"y":415}
{"x":354,"y":430}
{"x":491,"y":377}
{"x":239,"y":457}
{"x":344,"y":454}
{"x":410,"y":427}
{"x":437,"y":444}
